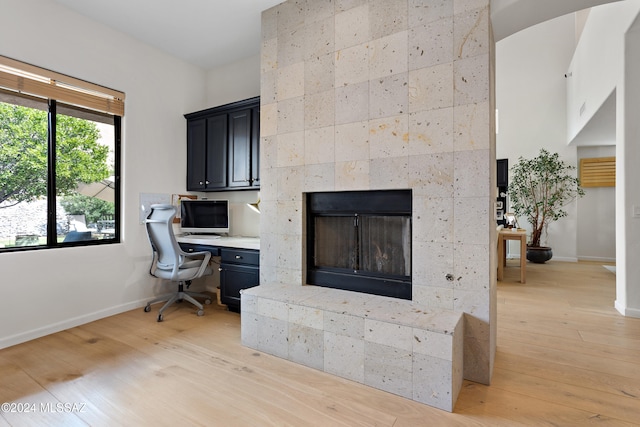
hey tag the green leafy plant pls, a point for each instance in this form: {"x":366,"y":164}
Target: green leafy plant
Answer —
{"x":92,"y":208}
{"x":23,"y":154}
{"x":539,"y":189}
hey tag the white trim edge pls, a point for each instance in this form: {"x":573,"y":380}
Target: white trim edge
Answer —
{"x":69,"y":323}
{"x":627,"y":312}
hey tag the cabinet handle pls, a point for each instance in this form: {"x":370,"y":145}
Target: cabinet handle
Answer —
{"x":201,"y":183}
{"x":238,"y":257}
{"x":219,"y":268}
{"x":207,"y":182}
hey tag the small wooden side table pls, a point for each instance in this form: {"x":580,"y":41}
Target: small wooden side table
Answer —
{"x":511,"y":234}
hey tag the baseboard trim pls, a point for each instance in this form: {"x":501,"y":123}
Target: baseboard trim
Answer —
{"x":564,"y":259}
{"x":69,"y":323}
{"x":626,"y":311}
{"x":555,"y":258}
{"x":596,"y":259}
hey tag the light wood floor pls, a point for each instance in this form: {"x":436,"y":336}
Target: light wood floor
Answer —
{"x":565,"y":357}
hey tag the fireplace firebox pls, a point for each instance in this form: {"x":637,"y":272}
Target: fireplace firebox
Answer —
{"x":360,"y":241}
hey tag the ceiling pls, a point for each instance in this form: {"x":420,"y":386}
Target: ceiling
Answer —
{"x":206,"y":33}
{"x":511,"y":16}
{"x":211,"y":33}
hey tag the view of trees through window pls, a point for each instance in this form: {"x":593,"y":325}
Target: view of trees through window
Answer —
{"x":83,"y":206}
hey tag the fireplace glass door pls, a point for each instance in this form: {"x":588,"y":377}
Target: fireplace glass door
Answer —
{"x":360,"y":241}
{"x":378,"y":245}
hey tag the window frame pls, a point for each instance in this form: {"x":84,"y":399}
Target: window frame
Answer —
{"x":28,"y":81}
{"x":51,"y":229}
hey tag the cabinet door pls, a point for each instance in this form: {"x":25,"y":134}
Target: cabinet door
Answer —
{"x":233,"y":278}
{"x":196,"y":154}
{"x":240,"y":148}
{"x":216,"y":152}
{"x":255,"y":147}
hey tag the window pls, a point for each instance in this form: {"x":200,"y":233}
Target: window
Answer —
{"x":59,"y":160}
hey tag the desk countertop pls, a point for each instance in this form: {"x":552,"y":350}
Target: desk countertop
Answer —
{"x":240,"y":242}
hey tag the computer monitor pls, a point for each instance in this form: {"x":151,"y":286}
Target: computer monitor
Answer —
{"x":204,"y":216}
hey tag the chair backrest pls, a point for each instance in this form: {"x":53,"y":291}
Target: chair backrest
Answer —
{"x":159,"y":224}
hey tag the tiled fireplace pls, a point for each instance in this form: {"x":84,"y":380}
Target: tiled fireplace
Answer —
{"x":362,"y":95}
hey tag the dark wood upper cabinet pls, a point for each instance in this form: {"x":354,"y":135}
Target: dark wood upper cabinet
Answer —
{"x":223,"y":147}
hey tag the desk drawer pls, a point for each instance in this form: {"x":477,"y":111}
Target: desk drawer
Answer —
{"x":240,"y":256}
{"x":190,"y":247}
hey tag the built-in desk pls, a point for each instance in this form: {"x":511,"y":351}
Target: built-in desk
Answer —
{"x":239,"y":242}
{"x":239,"y":262}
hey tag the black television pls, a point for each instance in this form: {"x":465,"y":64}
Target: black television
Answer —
{"x":204,"y":216}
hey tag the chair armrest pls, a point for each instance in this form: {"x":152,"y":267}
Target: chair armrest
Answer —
{"x":194,"y":254}
{"x":204,"y":261}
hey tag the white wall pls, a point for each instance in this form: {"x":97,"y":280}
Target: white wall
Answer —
{"x":596,"y":66}
{"x":627,"y":178}
{"x":598,"y":70}
{"x":233,"y":82}
{"x":607,"y":59}
{"x":597,"y":215}
{"x":49,"y":290}
{"x":531,"y":100}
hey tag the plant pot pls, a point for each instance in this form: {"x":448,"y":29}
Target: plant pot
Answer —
{"x":539,"y":255}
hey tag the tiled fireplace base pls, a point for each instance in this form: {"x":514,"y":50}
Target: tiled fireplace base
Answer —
{"x":390,"y":344}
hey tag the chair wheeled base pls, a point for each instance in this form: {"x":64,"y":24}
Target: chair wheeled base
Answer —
{"x":177,"y":297}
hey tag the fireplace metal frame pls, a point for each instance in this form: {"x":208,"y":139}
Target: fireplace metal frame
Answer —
{"x":357,"y":204}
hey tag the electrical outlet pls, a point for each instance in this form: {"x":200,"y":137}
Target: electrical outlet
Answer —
{"x":635,"y":211}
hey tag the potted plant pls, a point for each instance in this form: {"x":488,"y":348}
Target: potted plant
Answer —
{"x":539,"y":189}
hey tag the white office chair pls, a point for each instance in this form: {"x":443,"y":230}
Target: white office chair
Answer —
{"x":171,"y":262}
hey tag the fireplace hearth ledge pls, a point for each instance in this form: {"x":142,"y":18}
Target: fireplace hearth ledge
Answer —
{"x":390,"y":344}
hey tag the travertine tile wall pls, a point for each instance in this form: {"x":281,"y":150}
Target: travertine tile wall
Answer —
{"x":386,"y":94}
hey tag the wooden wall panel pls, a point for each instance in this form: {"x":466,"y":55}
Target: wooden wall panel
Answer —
{"x":598,"y":172}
